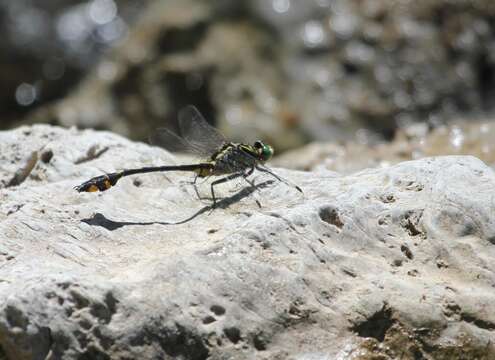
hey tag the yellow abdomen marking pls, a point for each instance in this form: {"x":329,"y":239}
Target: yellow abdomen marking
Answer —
{"x":93,"y":188}
{"x":204,"y":172}
{"x":107,"y":184}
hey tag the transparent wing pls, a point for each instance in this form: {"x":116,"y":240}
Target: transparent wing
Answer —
{"x":197,"y":132}
{"x":169,"y":140}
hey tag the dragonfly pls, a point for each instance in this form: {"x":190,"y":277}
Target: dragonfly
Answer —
{"x":223,"y":159}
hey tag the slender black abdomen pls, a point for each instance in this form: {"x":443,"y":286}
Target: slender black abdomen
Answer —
{"x":105,"y":182}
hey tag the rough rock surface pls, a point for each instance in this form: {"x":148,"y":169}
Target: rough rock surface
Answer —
{"x":387,"y":263}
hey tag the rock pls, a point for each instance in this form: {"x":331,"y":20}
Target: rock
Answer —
{"x":459,"y":138}
{"x":385,"y":263}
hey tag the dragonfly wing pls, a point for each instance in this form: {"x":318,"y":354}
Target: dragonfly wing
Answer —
{"x":197,"y":132}
{"x":169,"y":140}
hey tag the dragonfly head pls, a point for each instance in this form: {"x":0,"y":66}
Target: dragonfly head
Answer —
{"x":265,"y":152}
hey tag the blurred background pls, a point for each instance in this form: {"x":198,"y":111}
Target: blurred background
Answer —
{"x":342,"y":84}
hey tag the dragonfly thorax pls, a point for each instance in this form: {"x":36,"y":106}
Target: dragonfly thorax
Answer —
{"x":235,"y":158}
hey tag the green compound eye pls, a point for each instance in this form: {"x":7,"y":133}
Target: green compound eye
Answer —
{"x":267,"y":152}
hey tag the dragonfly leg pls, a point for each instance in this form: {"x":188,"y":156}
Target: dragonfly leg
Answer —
{"x":251,"y":183}
{"x":262,"y":169}
{"x":245,"y":176}
{"x":221,"y":181}
{"x":196,"y":187}
{"x":194,"y":184}
{"x":188,"y":182}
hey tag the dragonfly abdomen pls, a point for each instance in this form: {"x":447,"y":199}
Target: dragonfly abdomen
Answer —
{"x":100,"y":183}
{"x":105,"y":182}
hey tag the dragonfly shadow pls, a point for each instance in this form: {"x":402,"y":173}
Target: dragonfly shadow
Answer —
{"x":99,"y":219}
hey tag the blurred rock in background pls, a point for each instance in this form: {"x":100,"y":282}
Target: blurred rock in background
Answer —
{"x":411,"y":143}
{"x":286,"y":71}
{"x":49,"y":45}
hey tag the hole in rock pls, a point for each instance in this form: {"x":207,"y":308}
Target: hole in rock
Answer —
{"x":377,"y":325}
{"x":233,"y":334}
{"x":331,"y":215}
{"x":217,"y":310}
